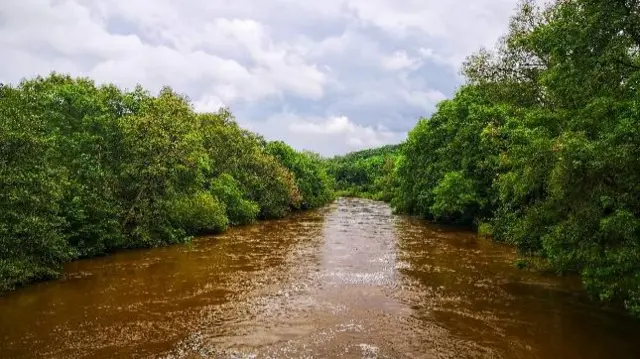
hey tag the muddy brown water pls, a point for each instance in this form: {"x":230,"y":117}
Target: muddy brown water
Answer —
{"x":350,"y":280}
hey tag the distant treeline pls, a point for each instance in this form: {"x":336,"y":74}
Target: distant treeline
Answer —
{"x":88,"y":169}
{"x":540,"y":148}
{"x":366,"y":173}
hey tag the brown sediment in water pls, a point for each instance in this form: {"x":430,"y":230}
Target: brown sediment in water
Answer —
{"x":348,"y":280}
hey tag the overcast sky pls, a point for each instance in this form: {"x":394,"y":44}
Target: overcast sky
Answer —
{"x":330,"y":76}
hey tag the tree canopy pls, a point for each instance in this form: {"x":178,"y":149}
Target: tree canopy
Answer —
{"x":541,"y":146}
{"x":366,"y":173}
{"x":88,"y":169}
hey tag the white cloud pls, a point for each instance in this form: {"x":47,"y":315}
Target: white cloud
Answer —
{"x":430,"y":55}
{"x":331,"y":134}
{"x":341,"y":126}
{"x":73,"y":32}
{"x":423,"y":99}
{"x":332,"y":125}
{"x":208,"y":103}
{"x":398,"y":61}
{"x":379,"y":64}
{"x":458,"y":26}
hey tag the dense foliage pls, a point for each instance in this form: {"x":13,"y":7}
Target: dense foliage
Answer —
{"x":541,"y":147}
{"x":367,"y":173}
{"x":87,"y":169}
{"x":309,"y":172}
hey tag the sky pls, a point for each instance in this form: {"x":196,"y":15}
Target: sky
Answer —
{"x":330,"y":76}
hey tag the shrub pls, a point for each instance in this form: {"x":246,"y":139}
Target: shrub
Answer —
{"x":198,"y":213}
{"x":238,"y":209}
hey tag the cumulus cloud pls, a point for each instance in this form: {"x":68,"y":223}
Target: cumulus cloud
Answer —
{"x":339,"y":132}
{"x":356,"y":136}
{"x":208,"y":103}
{"x":399,"y":60}
{"x":329,"y":76}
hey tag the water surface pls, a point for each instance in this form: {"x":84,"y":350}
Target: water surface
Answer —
{"x":350,"y":280}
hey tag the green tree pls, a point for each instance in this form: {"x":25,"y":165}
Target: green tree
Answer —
{"x":32,"y":239}
{"x":309,"y":173}
{"x":365,"y":173}
{"x":88,"y":169}
{"x":242,"y":154}
{"x":238,"y":209}
{"x":541,"y":145}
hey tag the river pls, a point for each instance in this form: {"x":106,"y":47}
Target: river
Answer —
{"x":350,"y":280}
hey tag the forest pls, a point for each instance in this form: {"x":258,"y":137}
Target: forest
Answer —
{"x":366,"y":174}
{"x":87,"y":169}
{"x":540,"y":148}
